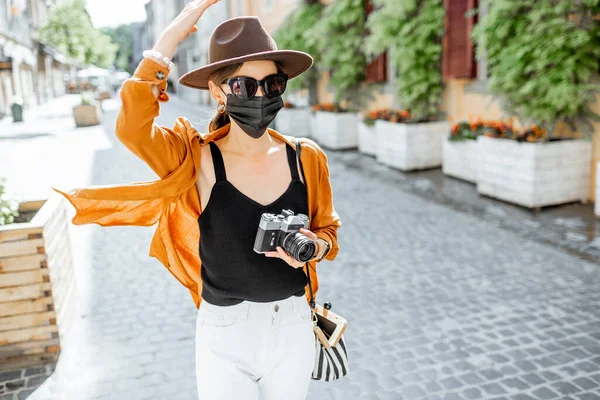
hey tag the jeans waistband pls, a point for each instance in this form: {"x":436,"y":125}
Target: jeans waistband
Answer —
{"x":277,"y":307}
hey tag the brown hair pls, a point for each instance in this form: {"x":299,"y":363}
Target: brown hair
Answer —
{"x":222,"y":119}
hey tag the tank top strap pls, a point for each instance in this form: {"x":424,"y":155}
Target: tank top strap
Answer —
{"x":291,"y":155}
{"x":218,"y":163}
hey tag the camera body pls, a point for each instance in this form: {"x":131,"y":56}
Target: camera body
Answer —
{"x":283,"y":230}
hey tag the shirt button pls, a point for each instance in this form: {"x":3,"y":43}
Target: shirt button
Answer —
{"x":276,"y":308}
{"x":160,"y":75}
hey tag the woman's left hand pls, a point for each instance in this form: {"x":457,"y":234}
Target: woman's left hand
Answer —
{"x":280,"y":253}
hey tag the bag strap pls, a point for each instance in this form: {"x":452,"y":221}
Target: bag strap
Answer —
{"x":299,"y":161}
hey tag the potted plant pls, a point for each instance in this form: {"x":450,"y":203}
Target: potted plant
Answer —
{"x":337,"y":38}
{"x":548,"y":163}
{"x":292,"y":120}
{"x":88,"y":112}
{"x":37,"y":286}
{"x":460,"y":157}
{"x":415,"y":141}
{"x":529,"y":168}
{"x":336,"y":126}
{"x":367,"y":138}
{"x":293,"y":34}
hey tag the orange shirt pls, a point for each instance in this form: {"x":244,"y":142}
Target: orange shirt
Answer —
{"x":173,"y":200}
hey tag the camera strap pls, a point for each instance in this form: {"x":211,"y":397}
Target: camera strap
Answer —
{"x":299,"y":161}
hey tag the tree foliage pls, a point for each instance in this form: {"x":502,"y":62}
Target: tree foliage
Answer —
{"x":122,"y":35}
{"x":292,"y":35}
{"x":338,"y":37}
{"x":412,"y":30}
{"x":542,"y":58}
{"x":69,"y":29}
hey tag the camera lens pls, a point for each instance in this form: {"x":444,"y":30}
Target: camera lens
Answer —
{"x":299,"y":246}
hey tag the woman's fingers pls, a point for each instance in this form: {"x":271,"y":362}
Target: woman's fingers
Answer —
{"x":280,"y":253}
{"x":308,"y":233}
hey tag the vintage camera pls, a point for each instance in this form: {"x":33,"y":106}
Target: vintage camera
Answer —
{"x":283,"y":230}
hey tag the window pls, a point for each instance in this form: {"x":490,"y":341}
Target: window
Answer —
{"x":268,"y":4}
{"x":458,"y":60}
{"x":376,"y":70}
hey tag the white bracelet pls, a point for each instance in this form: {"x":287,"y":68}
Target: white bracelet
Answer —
{"x":158,"y":56}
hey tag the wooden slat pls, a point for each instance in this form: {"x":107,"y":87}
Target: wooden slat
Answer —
{"x":22,"y":263}
{"x":27,"y":321}
{"x":29,"y":334}
{"x":26,"y":306}
{"x":25,"y":348}
{"x":18,"y":232}
{"x":31,"y":205}
{"x":21,"y":248}
{"x":25,"y":292}
{"x":32,"y":360}
{"x":24,"y":278}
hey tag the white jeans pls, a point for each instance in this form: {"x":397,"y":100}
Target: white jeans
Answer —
{"x":252,"y":351}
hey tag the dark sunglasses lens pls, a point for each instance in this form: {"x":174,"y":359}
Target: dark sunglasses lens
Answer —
{"x":275,"y":85}
{"x":243,"y":88}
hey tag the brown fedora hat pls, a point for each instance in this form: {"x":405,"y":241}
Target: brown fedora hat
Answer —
{"x":243,"y":39}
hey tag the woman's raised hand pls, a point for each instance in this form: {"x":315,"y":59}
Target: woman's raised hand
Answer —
{"x":182,"y":26}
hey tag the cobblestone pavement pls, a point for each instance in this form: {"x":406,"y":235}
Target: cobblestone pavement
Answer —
{"x":440,"y":304}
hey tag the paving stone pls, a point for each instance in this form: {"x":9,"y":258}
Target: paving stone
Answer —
{"x":565,"y":388}
{"x":515,"y":383}
{"x":588,"y":396}
{"x":522,"y":396}
{"x":493,"y":389}
{"x":24,"y":394}
{"x":15,"y":385}
{"x":545,"y":393}
{"x":10,"y":375}
{"x":472,"y":393}
{"x":585,"y":383}
{"x":35,"y":371}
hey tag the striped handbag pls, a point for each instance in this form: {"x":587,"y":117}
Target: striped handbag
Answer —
{"x":331,"y":361}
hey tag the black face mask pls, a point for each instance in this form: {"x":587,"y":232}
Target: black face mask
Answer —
{"x":253,"y":115}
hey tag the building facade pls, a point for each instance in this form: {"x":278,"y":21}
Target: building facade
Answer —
{"x":30,"y":72}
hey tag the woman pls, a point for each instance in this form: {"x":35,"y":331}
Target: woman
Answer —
{"x":254,"y":331}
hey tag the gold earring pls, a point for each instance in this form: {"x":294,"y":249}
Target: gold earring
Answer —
{"x":221,"y":108}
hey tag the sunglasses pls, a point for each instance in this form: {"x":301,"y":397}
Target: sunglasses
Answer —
{"x":244,"y":87}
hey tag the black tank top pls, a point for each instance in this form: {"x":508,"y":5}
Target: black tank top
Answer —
{"x":231,"y":270}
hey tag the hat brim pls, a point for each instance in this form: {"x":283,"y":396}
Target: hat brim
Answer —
{"x":294,"y":63}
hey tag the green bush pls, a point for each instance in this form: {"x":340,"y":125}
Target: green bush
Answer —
{"x":9,"y":206}
{"x":542,"y":59}
{"x":338,"y":38}
{"x":87,"y":98}
{"x":413,"y":32}
{"x":292,"y":35}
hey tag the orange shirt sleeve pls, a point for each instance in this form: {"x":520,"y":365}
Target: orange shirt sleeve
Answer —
{"x":163,"y":149}
{"x":326,"y":220}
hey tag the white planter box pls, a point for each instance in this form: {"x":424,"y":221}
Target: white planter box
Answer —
{"x":597,"y":204}
{"x":534,"y":174}
{"x":337,"y":131}
{"x":460,"y":159}
{"x":367,"y":139}
{"x":410,"y":146}
{"x":293,"y":121}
